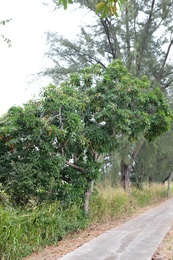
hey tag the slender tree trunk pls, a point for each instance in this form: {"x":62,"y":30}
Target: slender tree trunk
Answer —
{"x":126,"y":168}
{"x":125,"y":176}
{"x":87,"y":196}
{"x":169,"y":184}
{"x":150,"y":180}
{"x":140,"y":178}
{"x":166,"y":179}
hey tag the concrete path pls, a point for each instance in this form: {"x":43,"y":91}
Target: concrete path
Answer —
{"x":137,"y":239}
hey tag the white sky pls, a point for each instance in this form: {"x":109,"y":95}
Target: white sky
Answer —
{"x":30,"y":19}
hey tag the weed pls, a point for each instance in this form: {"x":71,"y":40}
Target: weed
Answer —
{"x":23,"y":231}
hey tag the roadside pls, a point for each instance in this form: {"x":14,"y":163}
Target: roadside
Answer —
{"x":165,"y":249}
{"x":73,"y":241}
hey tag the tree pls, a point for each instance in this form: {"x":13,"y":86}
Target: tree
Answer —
{"x":141,"y":36}
{"x":105,"y":8}
{"x":29,"y":165}
{"x":144,"y":43}
{"x":81,"y":120}
{"x":154,"y":162}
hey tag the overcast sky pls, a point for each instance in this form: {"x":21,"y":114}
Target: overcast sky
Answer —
{"x":30,"y":19}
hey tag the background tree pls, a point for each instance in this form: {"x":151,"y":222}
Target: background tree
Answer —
{"x":141,"y":36}
{"x":154,"y":163}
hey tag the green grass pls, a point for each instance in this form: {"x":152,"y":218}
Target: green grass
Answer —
{"x":23,"y":231}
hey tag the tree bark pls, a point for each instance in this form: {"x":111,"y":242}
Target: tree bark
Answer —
{"x":126,"y":168}
{"x":150,"y":180}
{"x":125,"y":176}
{"x":140,"y":177}
{"x":169,"y":184}
{"x":146,"y":36}
{"x":88,"y":195}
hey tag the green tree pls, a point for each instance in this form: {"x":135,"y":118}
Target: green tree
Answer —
{"x":154,"y":163}
{"x":71,"y":126}
{"x":29,"y":165}
{"x":141,"y":36}
{"x":104,"y":8}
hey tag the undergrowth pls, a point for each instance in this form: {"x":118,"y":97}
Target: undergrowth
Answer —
{"x":112,"y":203}
{"x":23,"y":231}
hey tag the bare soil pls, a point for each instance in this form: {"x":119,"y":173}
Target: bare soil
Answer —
{"x":165,"y":249}
{"x":75,"y":240}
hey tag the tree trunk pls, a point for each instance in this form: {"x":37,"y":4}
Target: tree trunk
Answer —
{"x":166,"y":179}
{"x":140,"y":177}
{"x":126,"y":168}
{"x":87,"y":196}
{"x":150,"y":180}
{"x":169,"y":184}
{"x":125,"y":176}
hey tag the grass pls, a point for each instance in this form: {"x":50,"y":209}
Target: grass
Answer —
{"x":112,"y":203}
{"x":23,"y":231}
{"x":109,"y":204}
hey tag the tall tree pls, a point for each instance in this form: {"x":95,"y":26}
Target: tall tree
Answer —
{"x":154,"y":163}
{"x":141,"y":36}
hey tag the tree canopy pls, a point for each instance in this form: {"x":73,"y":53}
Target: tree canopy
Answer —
{"x":61,"y":136}
{"x":141,"y":36}
{"x":104,"y":8}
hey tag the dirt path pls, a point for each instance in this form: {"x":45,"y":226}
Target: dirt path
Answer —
{"x":73,"y":241}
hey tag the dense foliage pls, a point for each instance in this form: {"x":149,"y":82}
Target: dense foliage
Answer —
{"x":51,"y":147}
{"x":141,"y":36}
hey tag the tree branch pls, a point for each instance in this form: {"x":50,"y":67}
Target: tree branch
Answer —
{"x":145,"y":37}
{"x":136,"y":151}
{"x":113,"y":51}
{"x":74,"y":166}
{"x":160,"y":74}
{"x":96,"y":155}
{"x":78,"y":52}
{"x":127,"y":38}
